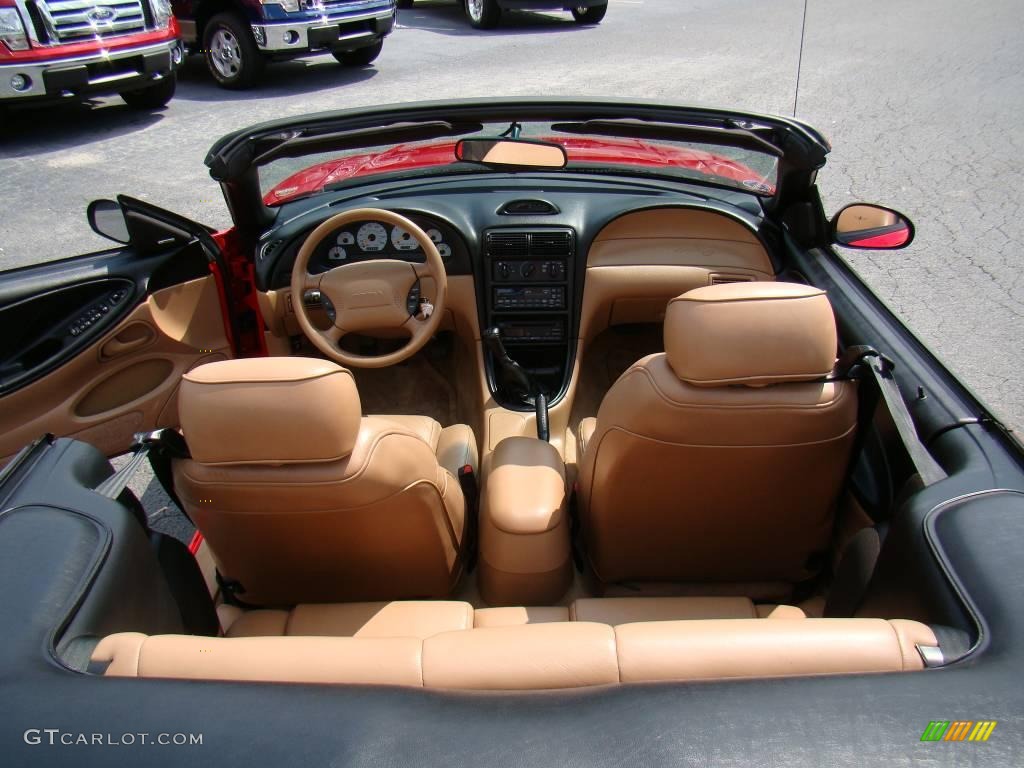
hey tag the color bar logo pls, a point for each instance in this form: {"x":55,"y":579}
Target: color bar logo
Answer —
{"x":958,"y":730}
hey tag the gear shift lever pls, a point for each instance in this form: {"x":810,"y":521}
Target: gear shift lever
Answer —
{"x":515,"y":382}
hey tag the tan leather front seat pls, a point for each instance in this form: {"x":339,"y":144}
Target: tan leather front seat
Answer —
{"x":721,"y":460}
{"x":303,"y":500}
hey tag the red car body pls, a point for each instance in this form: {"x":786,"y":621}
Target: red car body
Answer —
{"x":627,"y":152}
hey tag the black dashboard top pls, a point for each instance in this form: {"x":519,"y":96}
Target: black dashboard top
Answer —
{"x":456,"y":212}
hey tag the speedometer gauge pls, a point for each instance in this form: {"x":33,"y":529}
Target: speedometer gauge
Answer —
{"x":372,"y":237}
{"x":402,"y":240}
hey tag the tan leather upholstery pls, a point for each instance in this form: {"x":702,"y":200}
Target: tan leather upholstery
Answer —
{"x":587,"y":428}
{"x":626,"y":610}
{"x":411,"y":618}
{"x":276,"y":410}
{"x":531,"y":656}
{"x":710,"y":650}
{"x":301,"y":501}
{"x":425,"y":618}
{"x":525,"y":555}
{"x":514,"y":615}
{"x":535,"y":656}
{"x":685,"y":483}
{"x":454,"y":446}
{"x":750,"y":333}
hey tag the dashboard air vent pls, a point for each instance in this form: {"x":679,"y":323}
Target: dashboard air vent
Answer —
{"x":508,"y":244}
{"x":554,"y":243}
{"x":528,"y":208}
{"x":269,"y":250}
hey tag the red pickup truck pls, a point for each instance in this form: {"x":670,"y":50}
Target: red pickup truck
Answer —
{"x":67,"y":49}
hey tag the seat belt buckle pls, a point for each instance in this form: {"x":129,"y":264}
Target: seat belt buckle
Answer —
{"x":467,"y":479}
{"x":146,"y":439}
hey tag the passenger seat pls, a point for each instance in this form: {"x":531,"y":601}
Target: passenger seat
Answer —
{"x":720,"y":461}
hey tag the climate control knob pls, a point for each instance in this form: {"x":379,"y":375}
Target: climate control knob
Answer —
{"x":527,"y":269}
{"x":503,"y":270}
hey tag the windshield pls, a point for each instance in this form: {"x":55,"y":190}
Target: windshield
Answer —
{"x":750,"y":170}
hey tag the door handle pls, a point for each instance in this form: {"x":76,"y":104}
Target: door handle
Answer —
{"x":127,"y":340}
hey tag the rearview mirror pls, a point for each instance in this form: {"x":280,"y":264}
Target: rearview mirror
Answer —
{"x":512,"y":153}
{"x":862,"y":225}
{"x":107,"y":219}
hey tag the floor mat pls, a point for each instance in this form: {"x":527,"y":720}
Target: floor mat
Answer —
{"x":415,"y":387}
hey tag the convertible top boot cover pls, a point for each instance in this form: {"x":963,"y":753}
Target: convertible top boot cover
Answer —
{"x":721,"y":460}
{"x":304,"y":501}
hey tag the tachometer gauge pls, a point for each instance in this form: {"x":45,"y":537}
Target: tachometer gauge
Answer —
{"x":402,"y":240}
{"x":434,"y":235}
{"x":444,"y":249}
{"x":346,"y":238}
{"x":337,"y":253}
{"x":372,"y":237}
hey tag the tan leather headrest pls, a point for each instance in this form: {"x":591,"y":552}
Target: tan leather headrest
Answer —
{"x":753,"y":334}
{"x":269,"y":410}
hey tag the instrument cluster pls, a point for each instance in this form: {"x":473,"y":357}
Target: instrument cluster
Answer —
{"x":364,"y":240}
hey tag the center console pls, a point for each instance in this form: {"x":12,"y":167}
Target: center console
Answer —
{"x":528,"y":294}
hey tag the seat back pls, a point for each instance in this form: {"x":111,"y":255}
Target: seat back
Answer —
{"x":721,"y":460}
{"x":303,"y":500}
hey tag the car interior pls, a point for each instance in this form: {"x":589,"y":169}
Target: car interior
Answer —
{"x":523,"y":435}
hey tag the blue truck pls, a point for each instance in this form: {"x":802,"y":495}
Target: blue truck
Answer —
{"x":238,"y":37}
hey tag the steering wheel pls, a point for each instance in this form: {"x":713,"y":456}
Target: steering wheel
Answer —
{"x":369,"y":295}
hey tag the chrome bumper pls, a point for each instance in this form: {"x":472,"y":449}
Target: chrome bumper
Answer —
{"x":298,"y":36}
{"x":94,"y":73}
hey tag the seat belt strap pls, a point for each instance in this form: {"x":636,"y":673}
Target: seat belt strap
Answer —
{"x":470,"y":495}
{"x":165,"y":445}
{"x":881,"y":369}
{"x":115,"y":484}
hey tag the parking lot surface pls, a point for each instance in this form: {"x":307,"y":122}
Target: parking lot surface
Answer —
{"x":922,"y":100}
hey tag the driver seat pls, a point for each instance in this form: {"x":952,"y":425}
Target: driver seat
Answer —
{"x":303,"y":500}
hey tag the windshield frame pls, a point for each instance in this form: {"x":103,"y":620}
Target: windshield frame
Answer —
{"x":232,"y":159}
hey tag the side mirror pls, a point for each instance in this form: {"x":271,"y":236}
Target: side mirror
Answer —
{"x":107,"y":219}
{"x":867,"y":226}
{"x":511,"y":153}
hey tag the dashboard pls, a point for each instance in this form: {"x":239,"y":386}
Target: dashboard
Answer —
{"x":533,"y":243}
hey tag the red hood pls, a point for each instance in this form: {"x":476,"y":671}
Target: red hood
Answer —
{"x":405,"y":157}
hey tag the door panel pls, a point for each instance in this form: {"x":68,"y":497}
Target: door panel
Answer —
{"x":126,"y":379}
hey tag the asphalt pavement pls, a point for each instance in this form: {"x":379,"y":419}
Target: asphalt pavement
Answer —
{"x":922,"y":99}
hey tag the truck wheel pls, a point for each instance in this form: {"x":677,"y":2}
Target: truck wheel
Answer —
{"x":231,"y":53}
{"x":592,"y":15}
{"x":483,"y":14}
{"x":360,"y":57}
{"x":154,"y":96}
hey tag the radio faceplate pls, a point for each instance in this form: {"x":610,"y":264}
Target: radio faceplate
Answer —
{"x":531,"y":297}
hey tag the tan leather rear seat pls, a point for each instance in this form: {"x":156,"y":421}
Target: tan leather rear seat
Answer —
{"x":407,"y":618}
{"x":424,"y":618}
{"x":534,"y":656}
{"x":446,"y":644}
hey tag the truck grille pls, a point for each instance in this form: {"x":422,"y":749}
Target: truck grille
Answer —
{"x":73,"y":20}
{"x":334,"y":8}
